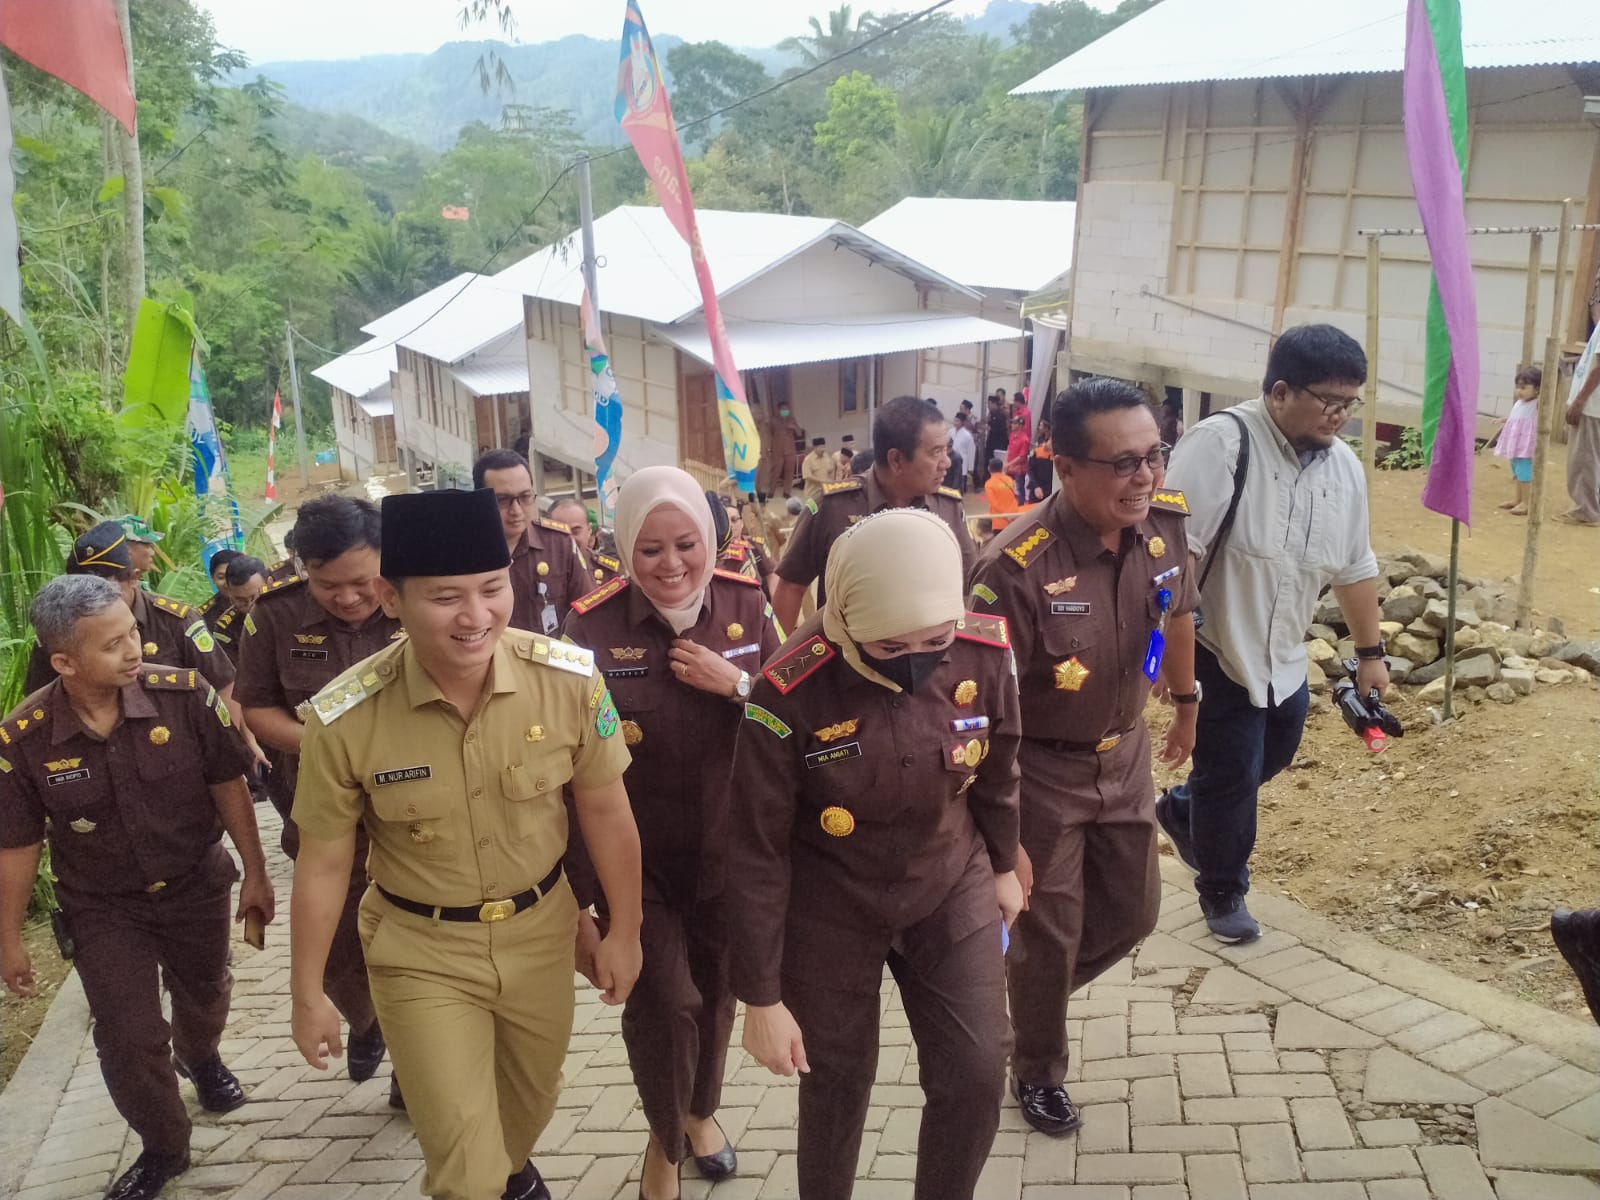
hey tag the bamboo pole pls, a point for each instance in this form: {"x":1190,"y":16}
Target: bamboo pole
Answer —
{"x":1547,"y":403}
{"x":1450,"y":620}
{"x":1530,"y":316}
{"x":1369,"y":422}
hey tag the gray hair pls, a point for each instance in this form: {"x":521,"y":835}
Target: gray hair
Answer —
{"x":65,"y":601}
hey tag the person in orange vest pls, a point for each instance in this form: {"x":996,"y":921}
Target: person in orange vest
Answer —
{"x":1002,"y":492}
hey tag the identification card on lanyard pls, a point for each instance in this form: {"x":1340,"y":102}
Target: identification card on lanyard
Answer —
{"x":547,"y":617}
{"x":1158,"y":638}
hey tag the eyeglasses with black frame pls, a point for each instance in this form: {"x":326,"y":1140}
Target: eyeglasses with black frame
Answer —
{"x":1336,"y":404}
{"x":522,"y":500}
{"x":1125,"y":465}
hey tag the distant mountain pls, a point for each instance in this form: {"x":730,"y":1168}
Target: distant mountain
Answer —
{"x":996,"y":20}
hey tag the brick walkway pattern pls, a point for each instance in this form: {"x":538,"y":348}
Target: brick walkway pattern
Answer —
{"x":1271,"y":1071}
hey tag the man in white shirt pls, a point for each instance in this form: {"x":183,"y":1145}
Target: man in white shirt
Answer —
{"x":966,"y":448}
{"x":1583,"y":450}
{"x":1301,"y":525}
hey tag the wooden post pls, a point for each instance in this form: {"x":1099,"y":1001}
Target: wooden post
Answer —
{"x":1369,"y":422}
{"x":1547,"y":404}
{"x":1530,"y":316}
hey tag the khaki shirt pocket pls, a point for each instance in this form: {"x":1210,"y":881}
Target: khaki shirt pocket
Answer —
{"x":417,"y":815}
{"x":531,"y":789}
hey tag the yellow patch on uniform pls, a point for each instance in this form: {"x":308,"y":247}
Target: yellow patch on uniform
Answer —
{"x":160,"y":735}
{"x":62,"y":764}
{"x":1019,"y":552}
{"x":842,"y":485}
{"x":754,"y":712}
{"x":838,"y":822}
{"x":1070,"y":675}
{"x":542,"y":569}
{"x":5,"y":766}
{"x":950,"y":492}
{"x":986,"y":628}
{"x":627,"y":653}
{"x":982,"y":591}
{"x":1170,"y":502}
{"x":833,"y":733}
{"x":311,"y":639}
{"x":151,"y":649}
{"x":592,"y":601}
{"x":249,"y":623}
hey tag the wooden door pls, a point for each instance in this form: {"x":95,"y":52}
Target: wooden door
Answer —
{"x":701,"y":437}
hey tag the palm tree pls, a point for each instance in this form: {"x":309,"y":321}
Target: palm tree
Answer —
{"x":936,"y":153}
{"x":839,"y":36}
{"x":387,"y":270}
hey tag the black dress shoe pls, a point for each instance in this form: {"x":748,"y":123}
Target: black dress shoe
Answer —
{"x":526,"y":1184}
{"x":364,"y":1052}
{"x":396,"y":1100}
{"x":715,"y":1167}
{"x":148,"y":1175}
{"x":217,"y":1087}
{"x":1048,"y":1108}
{"x":1577,"y":936}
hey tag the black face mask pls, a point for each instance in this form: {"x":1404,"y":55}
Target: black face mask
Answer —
{"x":908,"y":670}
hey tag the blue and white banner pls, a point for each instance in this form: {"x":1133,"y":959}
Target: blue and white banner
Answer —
{"x":219,"y":513}
{"x":607,"y":408}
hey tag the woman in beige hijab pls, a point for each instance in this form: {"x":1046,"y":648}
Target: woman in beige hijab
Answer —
{"x":678,"y":643}
{"x":874,"y":823}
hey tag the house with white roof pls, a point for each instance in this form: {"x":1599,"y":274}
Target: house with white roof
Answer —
{"x":1233,"y":150}
{"x":1016,"y":254}
{"x":823,"y":320}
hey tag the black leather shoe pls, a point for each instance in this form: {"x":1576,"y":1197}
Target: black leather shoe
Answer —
{"x":396,"y":1100}
{"x":1182,"y":845}
{"x":148,"y":1175}
{"x":217,"y":1087}
{"x":724,"y":1164}
{"x":1048,"y":1108}
{"x":1577,"y":936}
{"x":526,"y":1184}
{"x":364,"y":1052}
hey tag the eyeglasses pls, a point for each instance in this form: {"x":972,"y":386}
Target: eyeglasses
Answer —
{"x":520,"y":500}
{"x":1127,"y":464}
{"x":1331,"y":405}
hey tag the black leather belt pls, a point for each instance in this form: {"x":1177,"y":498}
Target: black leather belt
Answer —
{"x":488,"y":911}
{"x":1062,"y":747}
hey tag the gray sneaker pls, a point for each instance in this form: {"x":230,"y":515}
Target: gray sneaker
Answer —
{"x":1179,"y":837}
{"x":1230,"y":921}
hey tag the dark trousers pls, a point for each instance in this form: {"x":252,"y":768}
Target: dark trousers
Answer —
{"x":1238,"y":747}
{"x":679,"y":1015}
{"x":1088,"y":825}
{"x":129,"y":946}
{"x":954,"y":996}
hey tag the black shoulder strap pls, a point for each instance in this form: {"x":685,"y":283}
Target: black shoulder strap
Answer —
{"x":1241,"y":468}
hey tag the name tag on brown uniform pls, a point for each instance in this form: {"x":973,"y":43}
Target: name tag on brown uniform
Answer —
{"x":822,"y":758}
{"x":1069,"y":608}
{"x":752,"y":648}
{"x":402,"y":775}
{"x":314,"y":655}
{"x":61,"y":777}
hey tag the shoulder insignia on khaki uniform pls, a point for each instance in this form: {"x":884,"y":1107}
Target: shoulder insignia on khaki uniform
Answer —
{"x":593,"y":600}
{"x":279,"y":585}
{"x":599,"y":691}
{"x":842,"y":485}
{"x":736,"y":577}
{"x":803,"y":660}
{"x":986,"y":628}
{"x":167,"y":604}
{"x":1169,"y":501}
{"x":948,"y":491}
{"x":1023,"y":549}
{"x":349,"y":690}
{"x":555,"y":526}
{"x":563,"y":656}
{"x":170,"y":679}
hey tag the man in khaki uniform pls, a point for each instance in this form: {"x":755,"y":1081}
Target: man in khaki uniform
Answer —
{"x":817,"y":469}
{"x":451,"y":748}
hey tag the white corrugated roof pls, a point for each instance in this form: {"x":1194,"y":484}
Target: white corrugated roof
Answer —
{"x":414,"y":312}
{"x":467,"y":320}
{"x":645,"y":270}
{"x":1186,"y":41}
{"x":362,"y":370}
{"x":1017,"y":245}
{"x":759,"y":344}
{"x":493,"y":376}
{"x":377,"y":406}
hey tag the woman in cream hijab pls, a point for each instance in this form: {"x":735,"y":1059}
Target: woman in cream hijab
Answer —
{"x":678,"y":643}
{"x":875,"y":823}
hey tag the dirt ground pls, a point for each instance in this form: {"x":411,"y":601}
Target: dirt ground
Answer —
{"x":20,"y":1017}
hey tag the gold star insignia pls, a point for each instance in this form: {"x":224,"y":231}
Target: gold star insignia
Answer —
{"x":1070,"y":675}
{"x":1158,"y":547}
{"x":160,"y":735}
{"x":151,"y":649}
{"x":966,"y":692}
{"x":837,"y":822}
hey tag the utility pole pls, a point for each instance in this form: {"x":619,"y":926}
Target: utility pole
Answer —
{"x":299,"y":421}
{"x":586,"y":219}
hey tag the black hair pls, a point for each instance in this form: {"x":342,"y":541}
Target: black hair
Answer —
{"x":241,"y":567}
{"x":498,"y":460}
{"x":1069,"y":415}
{"x":1310,"y":354}
{"x":861,"y":462}
{"x":1018,"y":398}
{"x":223,"y":557}
{"x":966,"y":404}
{"x":561,"y":502}
{"x":1532,"y":376}
{"x":333,"y":525}
{"x":898,"y":425}
{"x":997,"y":463}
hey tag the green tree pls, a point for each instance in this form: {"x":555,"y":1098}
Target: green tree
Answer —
{"x":841,"y":34}
{"x":939,"y":153}
{"x":860,"y":121}
{"x":707,"y":76}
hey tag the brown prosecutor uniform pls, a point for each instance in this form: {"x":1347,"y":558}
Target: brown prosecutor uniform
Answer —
{"x":678,"y":1017}
{"x":867,"y":827}
{"x":748,"y":556}
{"x":465,"y":809}
{"x":171,"y":631}
{"x":291,"y":649}
{"x":1080,"y":618}
{"x":143,"y":879}
{"x":602,"y":568}
{"x":840,"y":506}
{"x":547,"y":575}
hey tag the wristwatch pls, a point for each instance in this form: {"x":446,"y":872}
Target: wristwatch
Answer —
{"x":741,"y":689}
{"x":1371,"y":652}
{"x":1187,"y":697}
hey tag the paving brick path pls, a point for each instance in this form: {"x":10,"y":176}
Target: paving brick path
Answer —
{"x":1273,"y":1071}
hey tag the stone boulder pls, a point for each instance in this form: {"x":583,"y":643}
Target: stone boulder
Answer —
{"x":1432,"y":693}
{"x":1419,"y":650}
{"x":1542,"y":644}
{"x":1328,"y":612}
{"x":1504,"y":610}
{"x":1400,"y":669}
{"x":1482,"y":601}
{"x":1326,"y":632}
{"x":1494,"y":633}
{"x":1519,"y":642}
{"x":1546,"y":676}
{"x":1468,"y":637}
{"x":1435,"y":565}
{"x":1477,"y":694}
{"x":1320,"y":653}
{"x":1515,"y":662}
{"x":1465,"y":652}
{"x":1438,"y":613}
{"x":1316,"y":677}
{"x":1428,"y":589}
{"x":1480,"y":671}
{"x":1405,"y":604}
{"x":1579,"y":654}
{"x":1519,"y":681}
{"x":1394,"y":570}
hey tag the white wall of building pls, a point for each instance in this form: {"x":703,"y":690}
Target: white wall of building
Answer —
{"x":820,"y":282}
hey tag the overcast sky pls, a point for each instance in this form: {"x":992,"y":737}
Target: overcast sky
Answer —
{"x":274,"y":30}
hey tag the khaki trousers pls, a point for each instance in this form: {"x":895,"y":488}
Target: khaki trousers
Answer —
{"x":1583,"y":469}
{"x":478,"y":1018}
{"x":1088,"y":825}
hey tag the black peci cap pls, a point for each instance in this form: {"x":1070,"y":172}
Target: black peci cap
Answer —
{"x":101,"y":551}
{"x":819,"y":441}
{"x":442,"y":533}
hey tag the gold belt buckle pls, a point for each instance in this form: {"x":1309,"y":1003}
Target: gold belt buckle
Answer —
{"x":156,"y":886}
{"x":1107,"y":742}
{"x":497,"y":910}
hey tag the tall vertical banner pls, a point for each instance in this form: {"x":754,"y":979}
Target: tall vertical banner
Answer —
{"x":1435,"y":104}
{"x":219,"y":514}
{"x":607,"y":406}
{"x":272,"y":444}
{"x":646,"y":116}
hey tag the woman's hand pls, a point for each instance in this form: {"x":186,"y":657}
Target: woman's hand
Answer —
{"x":703,"y":669}
{"x":1008,"y":891}
{"x":772,"y":1036}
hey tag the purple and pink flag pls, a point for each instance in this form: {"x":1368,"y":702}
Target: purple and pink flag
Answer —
{"x":646,"y":116}
{"x":1435,"y":94}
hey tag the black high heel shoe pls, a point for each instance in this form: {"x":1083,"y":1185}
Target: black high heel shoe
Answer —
{"x":715,"y":1167}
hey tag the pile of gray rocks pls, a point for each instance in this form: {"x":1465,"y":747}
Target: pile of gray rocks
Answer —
{"x":1494,"y":660}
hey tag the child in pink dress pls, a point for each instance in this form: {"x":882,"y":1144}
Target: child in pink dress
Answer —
{"x":1516,"y":437}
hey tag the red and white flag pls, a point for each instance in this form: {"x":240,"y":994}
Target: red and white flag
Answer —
{"x":272,"y":444}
